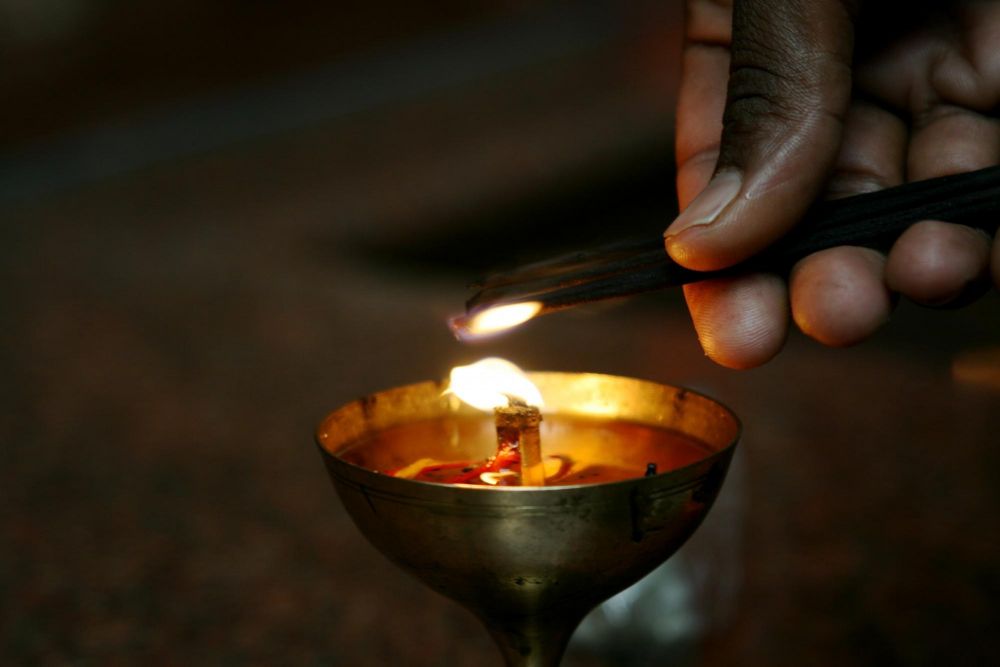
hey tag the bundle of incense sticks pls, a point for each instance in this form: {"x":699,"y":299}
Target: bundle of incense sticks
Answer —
{"x":872,"y":220}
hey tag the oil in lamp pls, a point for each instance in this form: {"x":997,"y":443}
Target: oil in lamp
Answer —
{"x":645,"y":462}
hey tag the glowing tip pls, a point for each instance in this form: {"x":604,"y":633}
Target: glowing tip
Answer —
{"x":495,"y":320}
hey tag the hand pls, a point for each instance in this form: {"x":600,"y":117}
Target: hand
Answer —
{"x":826,"y":99}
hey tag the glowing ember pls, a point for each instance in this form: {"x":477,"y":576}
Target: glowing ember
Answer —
{"x":495,"y":320}
{"x":491,"y":383}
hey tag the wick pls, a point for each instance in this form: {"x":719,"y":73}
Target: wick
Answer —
{"x":518,"y":422}
{"x":515,"y":401}
{"x":650,"y":469}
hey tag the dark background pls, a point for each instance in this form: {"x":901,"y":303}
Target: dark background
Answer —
{"x":222,"y":219}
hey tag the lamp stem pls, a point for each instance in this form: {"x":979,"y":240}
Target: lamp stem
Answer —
{"x":533,"y":641}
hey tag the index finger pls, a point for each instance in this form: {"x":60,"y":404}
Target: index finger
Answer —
{"x":702,"y":97}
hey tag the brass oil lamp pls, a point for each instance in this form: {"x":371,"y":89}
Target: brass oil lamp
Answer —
{"x":529,"y":561}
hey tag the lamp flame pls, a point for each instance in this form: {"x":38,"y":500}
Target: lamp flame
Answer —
{"x":491,"y":383}
{"x":495,"y":320}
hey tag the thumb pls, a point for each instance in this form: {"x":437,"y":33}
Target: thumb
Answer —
{"x":789,"y":88}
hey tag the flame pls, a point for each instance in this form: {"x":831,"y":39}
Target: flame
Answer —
{"x":495,"y":320}
{"x":491,"y":383}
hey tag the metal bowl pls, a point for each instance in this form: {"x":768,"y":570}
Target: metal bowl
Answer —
{"x":530,"y":562}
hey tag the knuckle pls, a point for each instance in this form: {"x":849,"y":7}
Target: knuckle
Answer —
{"x":782,"y":65}
{"x":772,"y":92}
{"x":769,"y":81}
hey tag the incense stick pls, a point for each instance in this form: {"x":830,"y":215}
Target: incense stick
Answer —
{"x":872,"y":220}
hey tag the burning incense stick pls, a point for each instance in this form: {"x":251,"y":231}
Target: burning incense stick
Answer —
{"x":873,"y":220}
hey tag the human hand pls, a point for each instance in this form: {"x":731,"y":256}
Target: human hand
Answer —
{"x":826,"y":99}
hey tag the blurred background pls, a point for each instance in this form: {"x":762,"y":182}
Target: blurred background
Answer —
{"x":221,"y":219}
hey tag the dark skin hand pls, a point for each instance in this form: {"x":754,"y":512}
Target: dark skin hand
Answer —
{"x":786,"y":101}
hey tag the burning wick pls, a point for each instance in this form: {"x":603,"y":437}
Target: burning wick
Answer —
{"x":518,"y":423}
{"x":650,"y":469}
{"x":495,"y":320}
{"x":498,"y":385}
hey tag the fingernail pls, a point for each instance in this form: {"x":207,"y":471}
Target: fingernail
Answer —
{"x":707,"y":206}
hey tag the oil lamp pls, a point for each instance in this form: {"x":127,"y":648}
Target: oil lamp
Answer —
{"x":530,"y":560}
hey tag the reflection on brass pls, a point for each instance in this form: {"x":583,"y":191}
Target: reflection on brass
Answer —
{"x":980,"y":367}
{"x":530,"y":562}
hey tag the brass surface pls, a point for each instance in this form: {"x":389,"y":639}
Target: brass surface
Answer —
{"x":530,"y":562}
